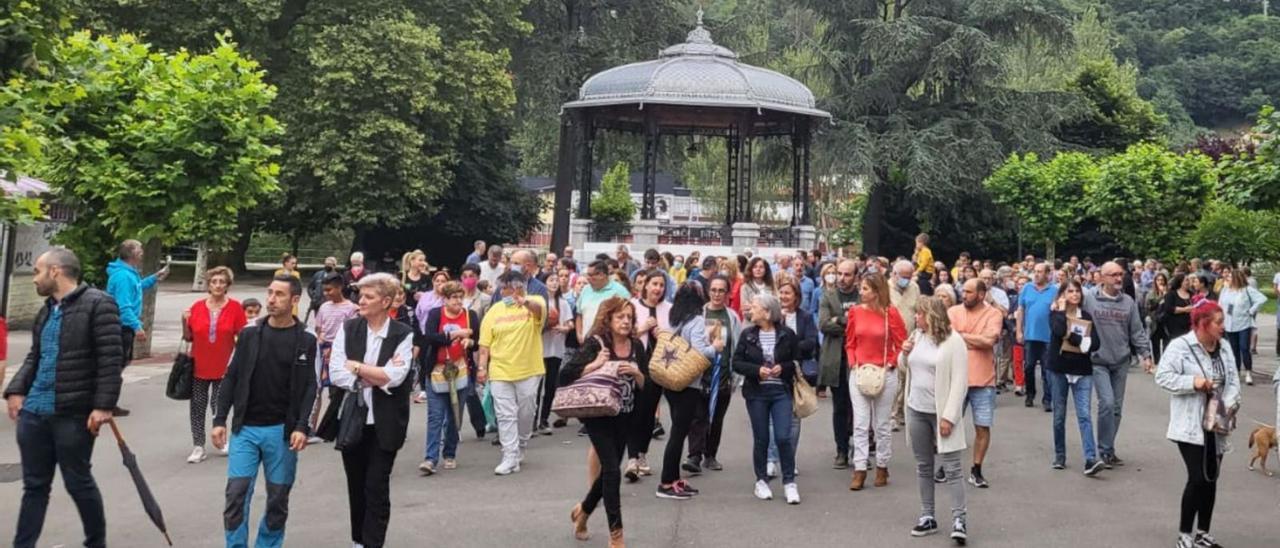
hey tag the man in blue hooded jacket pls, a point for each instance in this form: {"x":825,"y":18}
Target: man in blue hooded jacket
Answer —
{"x":126,"y":285}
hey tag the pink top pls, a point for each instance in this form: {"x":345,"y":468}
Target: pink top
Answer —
{"x":642,"y":315}
{"x":330,"y":317}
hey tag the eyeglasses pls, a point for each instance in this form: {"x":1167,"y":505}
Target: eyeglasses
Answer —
{"x":719,"y":290}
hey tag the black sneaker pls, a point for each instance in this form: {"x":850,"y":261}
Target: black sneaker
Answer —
{"x":1203,"y":540}
{"x":925,"y":527}
{"x":976,"y":479}
{"x":841,"y":462}
{"x":692,"y":465}
{"x":658,"y":431}
{"x":940,"y":476}
{"x":1030,"y":402}
{"x":582,"y":431}
{"x":710,"y":463}
{"x":1048,"y":408}
{"x":560,"y":423}
{"x":1113,"y":460}
{"x":1092,"y":468}
{"x":1059,"y":465}
{"x":684,"y":486}
{"x":959,"y":533}
{"x":672,"y":492}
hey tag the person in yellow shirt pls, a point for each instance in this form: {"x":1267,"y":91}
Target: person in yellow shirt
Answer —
{"x":510,"y":360}
{"x":923,"y":259}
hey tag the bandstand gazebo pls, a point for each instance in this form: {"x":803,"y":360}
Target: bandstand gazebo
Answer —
{"x":694,"y":88}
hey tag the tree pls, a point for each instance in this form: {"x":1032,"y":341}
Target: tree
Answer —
{"x":612,"y":208}
{"x":1043,"y":197}
{"x":1237,"y":236}
{"x":164,"y":148}
{"x":1149,"y":198}
{"x":922,"y":108}
{"x":1249,"y":171}
{"x":1118,"y":117}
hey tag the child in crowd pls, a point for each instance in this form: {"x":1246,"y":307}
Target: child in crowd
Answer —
{"x":252,"y":307}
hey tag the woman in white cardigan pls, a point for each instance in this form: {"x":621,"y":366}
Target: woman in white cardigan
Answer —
{"x":936,"y":362}
{"x":1194,"y":368}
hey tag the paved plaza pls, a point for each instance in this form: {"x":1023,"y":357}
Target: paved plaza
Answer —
{"x":1027,"y":505}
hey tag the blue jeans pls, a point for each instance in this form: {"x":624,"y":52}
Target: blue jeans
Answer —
{"x":1109,"y":381}
{"x":251,"y":447}
{"x":771,"y":406}
{"x":1082,"y":395}
{"x":46,"y":441}
{"x":795,"y":439}
{"x":441,"y":422}
{"x":1240,"y":348}
{"x":1035,"y":352}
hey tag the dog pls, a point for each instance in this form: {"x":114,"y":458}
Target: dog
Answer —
{"x":1262,"y":441}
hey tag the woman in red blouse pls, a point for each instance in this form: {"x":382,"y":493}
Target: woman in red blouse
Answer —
{"x":211,"y":324}
{"x":873,"y":336}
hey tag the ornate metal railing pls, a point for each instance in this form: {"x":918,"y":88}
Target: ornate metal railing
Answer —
{"x":777,"y":236}
{"x":694,"y":235}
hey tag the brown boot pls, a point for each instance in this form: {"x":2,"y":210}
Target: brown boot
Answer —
{"x":579,"y":519}
{"x":859,"y":478}
{"x":615,"y":539}
{"x":882,"y":476}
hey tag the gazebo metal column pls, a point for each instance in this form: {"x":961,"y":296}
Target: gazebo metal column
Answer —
{"x":734,"y":146}
{"x":586,"y":143}
{"x":651,"y":137}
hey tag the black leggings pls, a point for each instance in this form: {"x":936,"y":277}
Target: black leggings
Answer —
{"x":683,"y":406}
{"x":640,"y":431}
{"x":608,"y":436}
{"x":706,"y":430}
{"x":1203,"y":466}
{"x":842,"y":412}
{"x":548,"y":388}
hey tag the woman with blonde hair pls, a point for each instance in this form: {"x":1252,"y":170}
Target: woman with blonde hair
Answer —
{"x":937,"y":366}
{"x":413,"y":277}
{"x":873,"y":337}
{"x":732,"y":269}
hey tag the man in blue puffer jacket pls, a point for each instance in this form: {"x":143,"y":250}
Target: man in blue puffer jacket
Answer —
{"x":126,"y":285}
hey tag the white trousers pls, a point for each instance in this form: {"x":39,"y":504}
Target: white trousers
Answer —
{"x":866,"y":410}
{"x":514,"y":405}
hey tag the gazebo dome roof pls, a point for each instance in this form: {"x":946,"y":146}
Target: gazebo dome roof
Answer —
{"x":697,"y":73}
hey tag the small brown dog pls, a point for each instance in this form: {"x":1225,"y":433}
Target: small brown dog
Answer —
{"x":1262,"y":441}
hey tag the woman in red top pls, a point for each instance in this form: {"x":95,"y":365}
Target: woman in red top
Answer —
{"x":211,"y":324}
{"x":873,"y":336}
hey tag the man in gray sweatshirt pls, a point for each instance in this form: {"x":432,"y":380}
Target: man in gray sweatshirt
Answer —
{"x":1118,"y":327}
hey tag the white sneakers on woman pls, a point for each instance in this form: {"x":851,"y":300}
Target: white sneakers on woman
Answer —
{"x":762,"y":490}
{"x":793,"y":493}
{"x":197,"y":455}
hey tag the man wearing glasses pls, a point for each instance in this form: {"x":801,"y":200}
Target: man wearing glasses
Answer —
{"x":1120,"y":332}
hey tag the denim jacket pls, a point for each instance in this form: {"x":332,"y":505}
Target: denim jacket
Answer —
{"x":1177,"y":372}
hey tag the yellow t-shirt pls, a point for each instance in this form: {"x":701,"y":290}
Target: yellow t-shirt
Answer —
{"x":924,"y":260}
{"x":514,"y":339}
{"x":678,"y":274}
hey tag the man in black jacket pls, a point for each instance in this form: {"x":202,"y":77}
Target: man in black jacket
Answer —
{"x":64,"y":391}
{"x":271,"y":384}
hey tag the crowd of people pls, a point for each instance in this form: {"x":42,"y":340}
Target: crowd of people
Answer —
{"x":896,"y":344}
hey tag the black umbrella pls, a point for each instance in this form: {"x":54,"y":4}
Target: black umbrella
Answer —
{"x":148,"y":500}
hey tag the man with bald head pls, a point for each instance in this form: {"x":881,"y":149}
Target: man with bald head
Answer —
{"x":1032,"y":321}
{"x":1119,"y":331}
{"x":526,"y":262}
{"x":979,"y":324}
{"x":833,"y":312}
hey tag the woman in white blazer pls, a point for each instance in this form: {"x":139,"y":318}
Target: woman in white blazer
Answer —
{"x":936,"y":361}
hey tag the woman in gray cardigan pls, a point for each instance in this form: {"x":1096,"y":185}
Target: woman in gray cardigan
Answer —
{"x":937,"y":364}
{"x":1194,"y":369}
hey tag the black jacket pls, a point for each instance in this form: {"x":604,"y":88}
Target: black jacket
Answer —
{"x":748,"y":357}
{"x":90,"y":354}
{"x":433,"y":340}
{"x":807,"y":343}
{"x":1070,"y":363}
{"x":234,"y":391}
{"x":390,"y":411}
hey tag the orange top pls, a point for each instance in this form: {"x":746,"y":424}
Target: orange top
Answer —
{"x":864,"y":337}
{"x":980,"y":328}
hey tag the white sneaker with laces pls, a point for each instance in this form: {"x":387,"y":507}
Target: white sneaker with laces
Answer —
{"x":507,"y":467}
{"x":771,"y":470}
{"x":793,"y":494}
{"x":762,"y":490}
{"x":197,"y":455}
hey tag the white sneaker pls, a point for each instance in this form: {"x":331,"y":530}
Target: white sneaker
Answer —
{"x":507,"y":467}
{"x":1248,"y":377}
{"x":225,"y":450}
{"x":771,"y":470}
{"x":314,"y":440}
{"x":793,"y":494}
{"x":197,"y":455}
{"x":762,"y":490}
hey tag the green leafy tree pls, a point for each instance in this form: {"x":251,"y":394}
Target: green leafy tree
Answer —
{"x":1118,"y":117}
{"x":612,"y":208}
{"x":1148,"y":199}
{"x":1044,"y":197}
{"x":1237,"y":236}
{"x":1250,"y":178}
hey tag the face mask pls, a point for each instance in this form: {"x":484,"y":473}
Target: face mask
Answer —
{"x":328,"y":268}
{"x":469,"y":283}
{"x":509,"y":301}
{"x":829,"y":278}
{"x":902,"y":283}
{"x":679,"y":265}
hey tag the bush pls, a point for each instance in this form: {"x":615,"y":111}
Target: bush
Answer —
{"x":1235,"y":235}
{"x":612,"y":208}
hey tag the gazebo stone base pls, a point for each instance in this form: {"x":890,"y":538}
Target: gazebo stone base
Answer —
{"x":645,"y":233}
{"x":745,"y":236}
{"x":579,"y":232}
{"x":807,"y":237}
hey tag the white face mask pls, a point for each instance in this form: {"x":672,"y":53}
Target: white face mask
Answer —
{"x":829,"y":278}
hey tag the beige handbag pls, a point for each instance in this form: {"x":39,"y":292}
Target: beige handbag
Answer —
{"x":870,"y":377}
{"x":804,"y":400}
{"x":675,"y":363}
